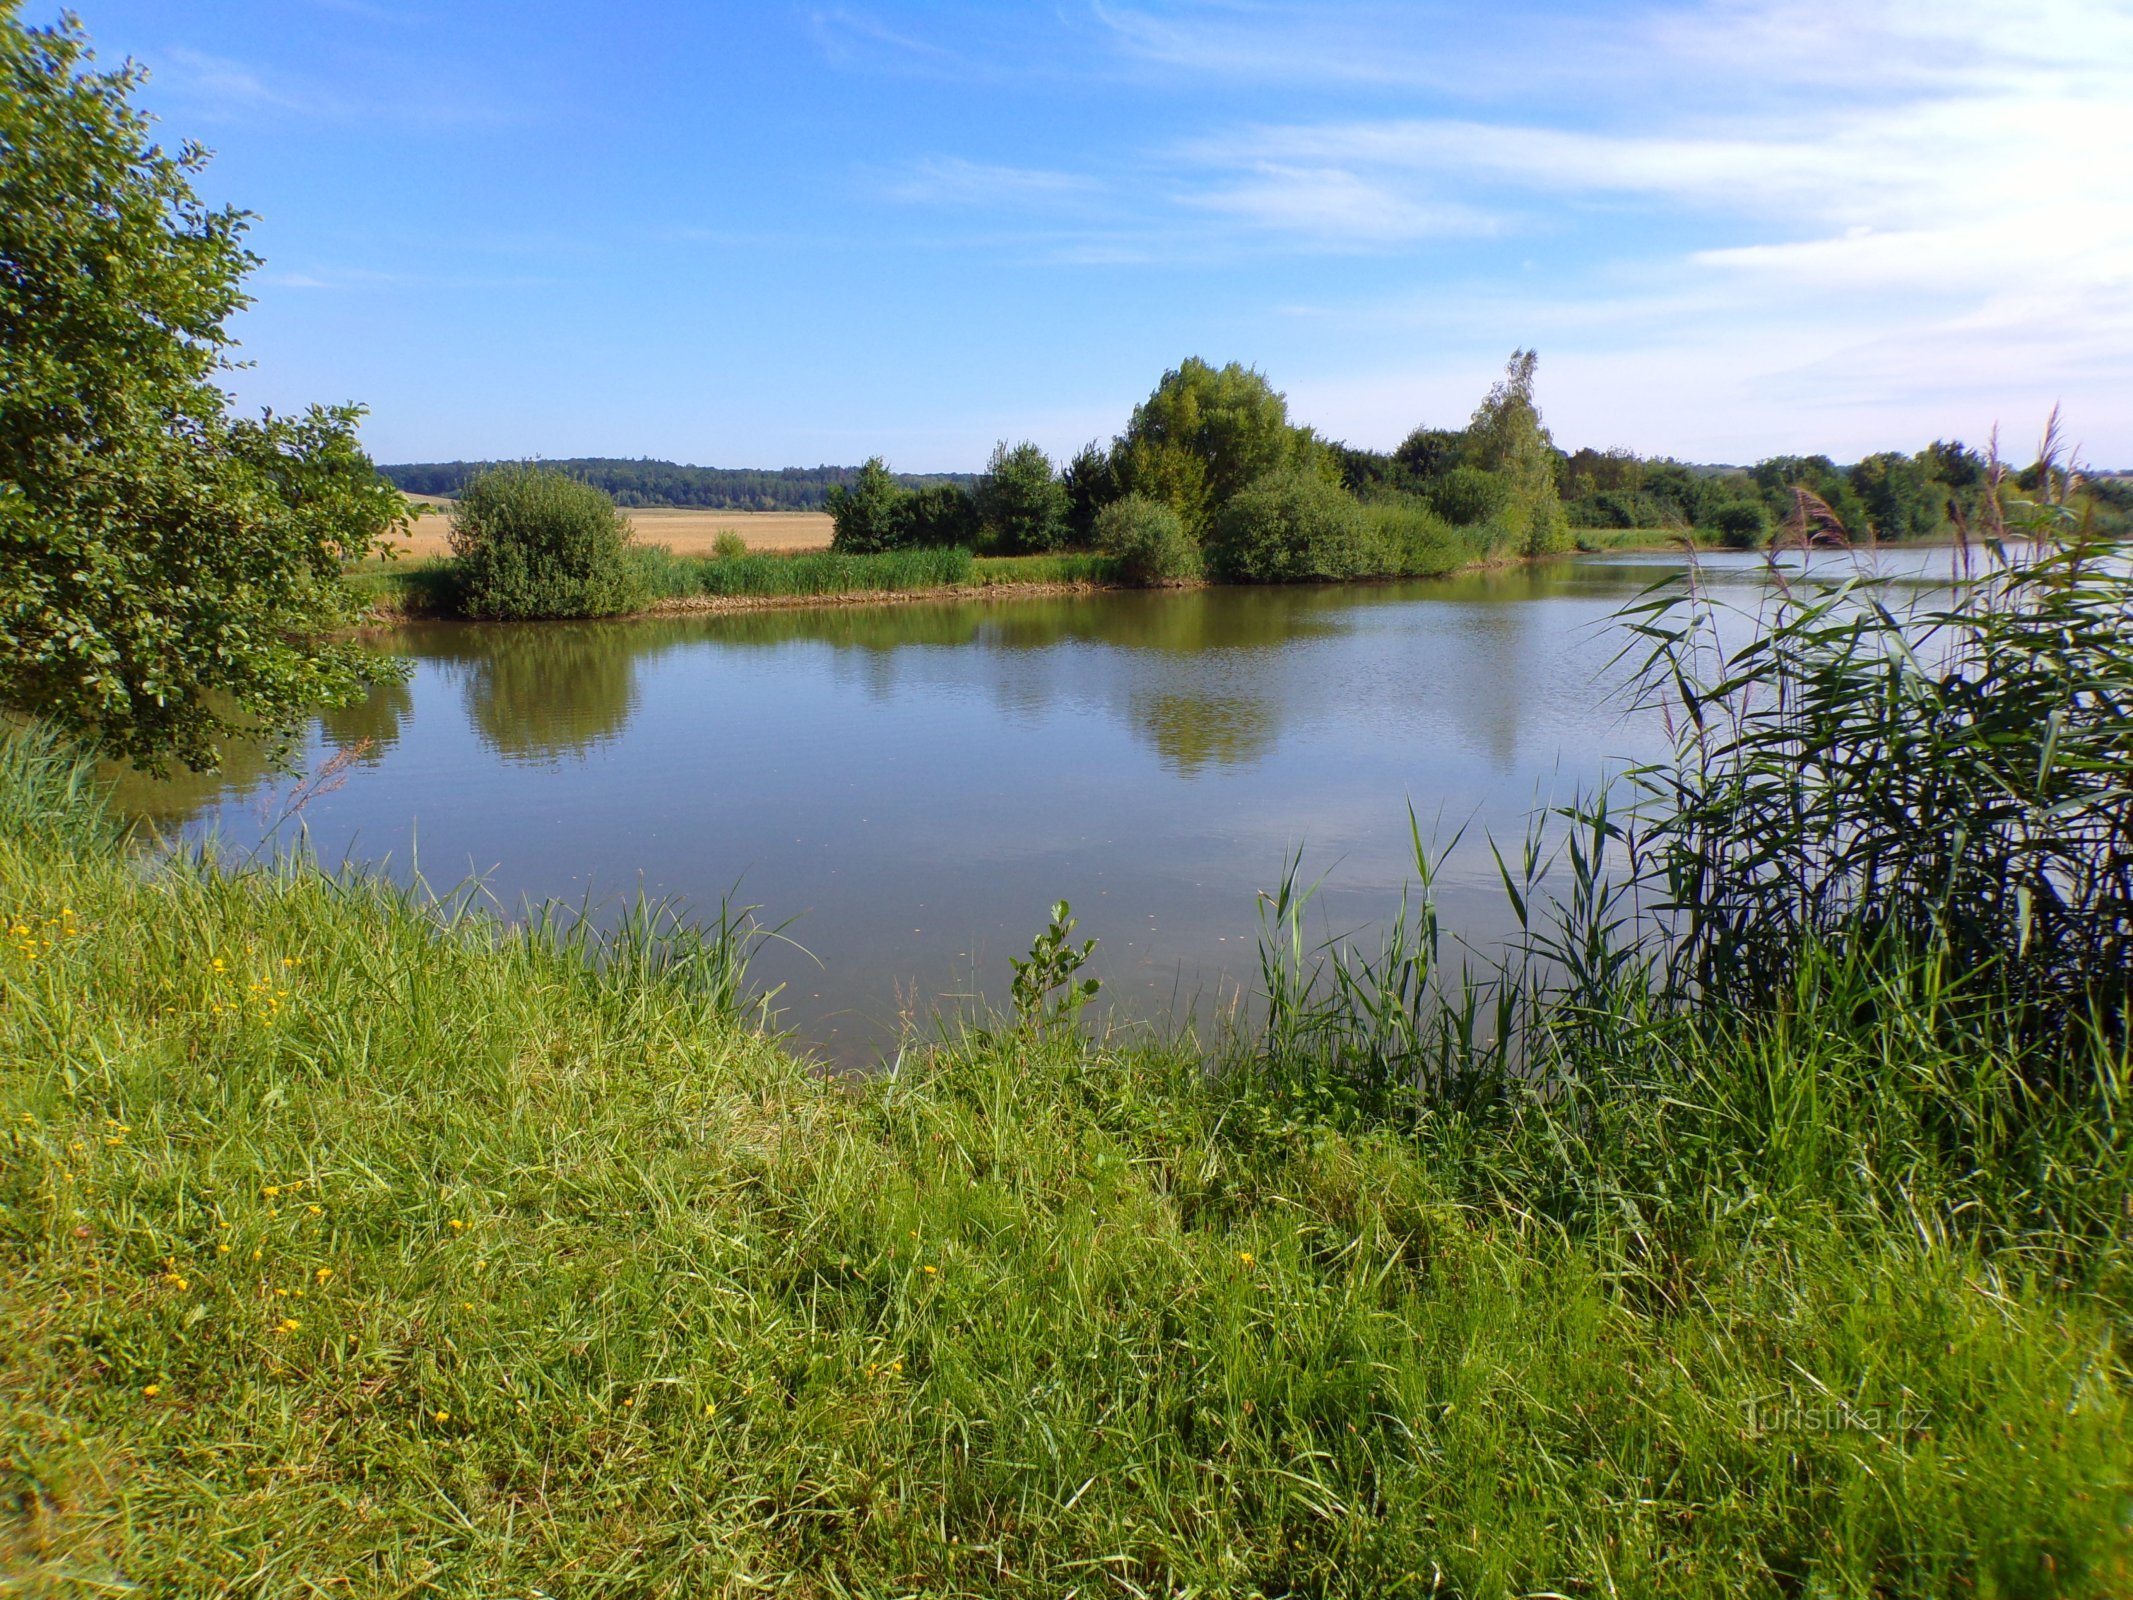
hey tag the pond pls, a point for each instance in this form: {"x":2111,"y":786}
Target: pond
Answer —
{"x":914,"y":784}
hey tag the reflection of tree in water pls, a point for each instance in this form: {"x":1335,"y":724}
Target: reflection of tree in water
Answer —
{"x":173,"y":801}
{"x":376,"y":719}
{"x":539,"y":693}
{"x":1191,"y":732}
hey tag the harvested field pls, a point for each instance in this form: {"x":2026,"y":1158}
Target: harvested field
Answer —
{"x":685,"y":532}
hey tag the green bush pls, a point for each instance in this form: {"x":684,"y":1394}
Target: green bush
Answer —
{"x":1408,"y":539}
{"x":866,"y":515}
{"x":1742,"y":525}
{"x":938,"y":517}
{"x":1148,"y":540}
{"x":1021,"y":504}
{"x":728,"y":545}
{"x":1466,"y":496}
{"x":533,"y":543}
{"x":1290,"y":526}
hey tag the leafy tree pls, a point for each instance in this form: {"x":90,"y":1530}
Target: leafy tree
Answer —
{"x":1741,"y":524}
{"x":1147,"y":539}
{"x":939,"y":516}
{"x":534,"y":543}
{"x":1091,"y":484}
{"x":1953,"y":464}
{"x":1022,"y":505}
{"x":1288,"y":526}
{"x":1899,"y":498}
{"x":1167,"y":473}
{"x":1780,"y":476}
{"x":1465,"y":496}
{"x":1590,"y":472}
{"x":866,"y":515}
{"x":167,"y":571}
{"x":1429,"y":451}
{"x":1506,"y":438}
{"x":1230,"y":420}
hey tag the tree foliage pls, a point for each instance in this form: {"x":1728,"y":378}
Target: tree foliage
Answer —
{"x":1288,"y":526}
{"x":866,"y":514}
{"x":534,"y":543}
{"x":1506,"y":438}
{"x":166,"y":569}
{"x":1204,"y":434}
{"x":1148,"y":540}
{"x":1022,"y":506}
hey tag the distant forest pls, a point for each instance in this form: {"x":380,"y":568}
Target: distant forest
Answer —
{"x":667,"y":483}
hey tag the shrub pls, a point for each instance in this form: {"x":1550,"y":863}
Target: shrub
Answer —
{"x":728,"y":545}
{"x":1465,"y":496}
{"x":533,"y":543}
{"x":1148,"y":540}
{"x":1407,"y":538}
{"x":940,"y":516}
{"x":1288,"y":526}
{"x":1741,"y":525}
{"x":867,"y":514}
{"x":1021,"y":504}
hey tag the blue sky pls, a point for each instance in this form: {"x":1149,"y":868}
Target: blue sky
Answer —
{"x":773,"y":234}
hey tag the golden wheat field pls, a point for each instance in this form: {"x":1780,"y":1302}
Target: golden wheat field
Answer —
{"x":686,"y":532}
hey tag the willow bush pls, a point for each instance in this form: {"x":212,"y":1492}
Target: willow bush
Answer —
{"x":532,"y":543}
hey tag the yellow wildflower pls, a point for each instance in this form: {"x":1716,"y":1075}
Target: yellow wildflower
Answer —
{"x":153,"y":1390}
{"x":323,"y":1274}
{"x":1245,"y":1256}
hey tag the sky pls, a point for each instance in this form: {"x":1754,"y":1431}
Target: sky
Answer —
{"x":766,"y":234}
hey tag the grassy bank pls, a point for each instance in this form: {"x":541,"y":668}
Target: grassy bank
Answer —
{"x":354,"y":1246}
{"x":428,"y":588}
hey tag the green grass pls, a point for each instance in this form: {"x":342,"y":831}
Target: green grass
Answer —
{"x":1070,"y":566}
{"x":351,"y":1245}
{"x":813,"y":573}
{"x":427,"y":587}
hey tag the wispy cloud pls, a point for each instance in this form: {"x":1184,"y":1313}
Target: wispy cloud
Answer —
{"x":216,"y":88}
{"x":848,"y":37}
{"x":951,"y":180}
{"x":1331,"y":206}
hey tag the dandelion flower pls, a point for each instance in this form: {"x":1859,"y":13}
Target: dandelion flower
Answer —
{"x":323,"y":1274}
{"x":930,"y":1270}
{"x":440,"y":1416}
{"x":153,"y":1390}
{"x":1245,"y":1256}
{"x":287,"y":1325}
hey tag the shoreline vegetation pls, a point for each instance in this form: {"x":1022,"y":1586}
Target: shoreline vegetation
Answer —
{"x":395,"y":590}
{"x":353,"y":1236}
{"x":1210,"y":481}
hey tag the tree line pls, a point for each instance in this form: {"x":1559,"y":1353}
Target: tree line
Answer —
{"x":666,"y":483}
{"x":1210,"y":475}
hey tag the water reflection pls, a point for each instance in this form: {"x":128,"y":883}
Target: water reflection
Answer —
{"x":918,"y":782}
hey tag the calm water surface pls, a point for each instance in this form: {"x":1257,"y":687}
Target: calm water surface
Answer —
{"x":915,"y":784}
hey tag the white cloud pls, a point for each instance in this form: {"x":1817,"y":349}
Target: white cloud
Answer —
{"x":1335,"y":206}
